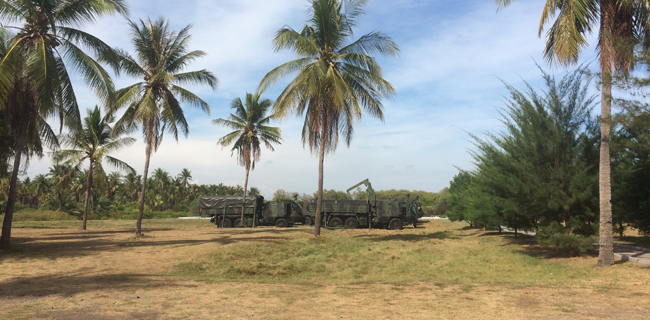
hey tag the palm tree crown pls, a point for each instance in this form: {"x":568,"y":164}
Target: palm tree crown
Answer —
{"x":50,"y":42}
{"x":336,"y":79}
{"x":155,"y":102}
{"x":250,"y":125}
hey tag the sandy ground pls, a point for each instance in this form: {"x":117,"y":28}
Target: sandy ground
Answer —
{"x":102,"y":274}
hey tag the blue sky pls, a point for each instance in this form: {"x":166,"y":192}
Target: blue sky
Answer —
{"x":454,"y":55}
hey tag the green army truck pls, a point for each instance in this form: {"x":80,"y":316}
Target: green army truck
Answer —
{"x":352,"y":214}
{"x":225,"y":211}
{"x":370,"y":213}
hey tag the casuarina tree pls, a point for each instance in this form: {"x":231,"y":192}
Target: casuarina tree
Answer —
{"x":621,"y":24}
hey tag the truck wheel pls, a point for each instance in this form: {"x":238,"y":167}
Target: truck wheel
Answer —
{"x":227,"y":223}
{"x":395,"y":224}
{"x":307,"y":221}
{"x":281,"y":223}
{"x":351,"y":223}
{"x":335,"y":222}
{"x":237,"y":223}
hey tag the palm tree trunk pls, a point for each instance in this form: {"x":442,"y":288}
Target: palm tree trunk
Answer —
{"x":138,"y":226}
{"x":319,"y":201}
{"x":89,"y":183}
{"x":606,"y":243}
{"x":248,"y":169}
{"x":5,"y":239}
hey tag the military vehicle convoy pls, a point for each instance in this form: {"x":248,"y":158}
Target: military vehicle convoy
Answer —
{"x":225,"y":211}
{"x":370,"y":213}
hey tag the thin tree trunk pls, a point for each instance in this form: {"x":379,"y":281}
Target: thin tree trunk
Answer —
{"x":248,"y":168}
{"x":319,"y":201}
{"x":138,"y":226}
{"x":606,"y":243}
{"x":5,"y":239}
{"x":89,"y":183}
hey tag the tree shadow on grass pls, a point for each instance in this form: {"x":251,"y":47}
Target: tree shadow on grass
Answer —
{"x":528,"y":245}
{"x":441,"y":235}
{"x":78,"y":245}
{"x":71,"y":284}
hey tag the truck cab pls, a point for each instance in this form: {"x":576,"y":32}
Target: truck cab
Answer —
{"x":282,"y":213}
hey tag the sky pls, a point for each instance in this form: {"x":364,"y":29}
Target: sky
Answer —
{"x":448,"y":80}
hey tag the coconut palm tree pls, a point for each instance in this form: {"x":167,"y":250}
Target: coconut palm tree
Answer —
{"x":336,"y":80}
{"x":26,"y":121}
{"x":161,"y":180}
{"x":250,"y":124}
{"x":155,"y":103}
{"x":622,"y":24}
{"x":94,"y":143}
{"x":36,"y":63}
{"x":186,"y":177}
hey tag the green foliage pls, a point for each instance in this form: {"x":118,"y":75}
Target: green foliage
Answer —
{"x":42,"y":215}
{"x":281,"y":195}
{"x":542,"y":169}
{"x":559,"y":236}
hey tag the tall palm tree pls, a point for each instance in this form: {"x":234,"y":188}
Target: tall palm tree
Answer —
{"x":336,"y":79}
{"x":155,"y":103}
{"x":161,"y":180}
{"x":186,"y":177}
{"x":94,"y":143}
{"x":133,"y":184}
{"x":46,"y":43}
{"x":41,"y":186}
{"x":250,"y":125}
{"x":622,"y":24}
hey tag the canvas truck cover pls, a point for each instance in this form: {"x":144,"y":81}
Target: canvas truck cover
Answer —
{"x":216,"y":202}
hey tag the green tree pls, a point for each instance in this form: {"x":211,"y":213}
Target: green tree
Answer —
{"x":94,"y":143}
{"x":24,"y":119}
{"x":155,"y":103}
{"x":47,"y":43}
{"x":622,"y":24}
{"x":335,"y":81}
{"x":250,"y":123}
{"x":186,"y":177}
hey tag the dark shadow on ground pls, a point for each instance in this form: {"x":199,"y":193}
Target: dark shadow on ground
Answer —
{"x":528,"y":245}
{"x":83,"y":245}
{"x":69,"y":285}
{"x":410,"y":237}
{"x":636,"y":241}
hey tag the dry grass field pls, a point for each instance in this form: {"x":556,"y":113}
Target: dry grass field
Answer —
{"x":192,"y":270}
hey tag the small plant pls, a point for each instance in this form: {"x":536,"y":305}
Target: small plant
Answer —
{"x":559,"y":236}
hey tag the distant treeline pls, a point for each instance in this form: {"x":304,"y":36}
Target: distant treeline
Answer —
{"x":114,"y":195}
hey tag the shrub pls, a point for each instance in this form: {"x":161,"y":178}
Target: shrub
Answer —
{"x":559,"y":236}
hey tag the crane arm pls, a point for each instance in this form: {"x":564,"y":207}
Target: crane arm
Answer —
{"x":369,"y":189}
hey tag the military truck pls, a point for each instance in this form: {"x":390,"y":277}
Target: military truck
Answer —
{"x":370,"y":213}
{"x":225,"y":211}
{"x":352,"y":214}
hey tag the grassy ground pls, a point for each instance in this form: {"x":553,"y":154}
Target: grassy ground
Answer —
{"x":189,"y":269}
